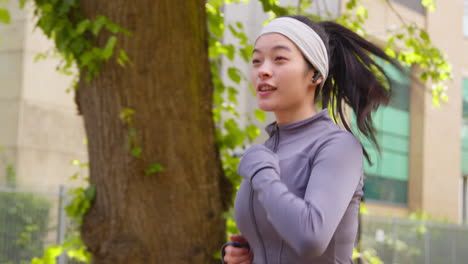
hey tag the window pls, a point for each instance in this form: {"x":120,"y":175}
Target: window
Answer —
{"x":464,"y":152}
{"x":414,"y":5}
{"x":465,"y":199}
{"x":465,"y":19}
{"x":387,"y":179}
{"x":464,"y":132}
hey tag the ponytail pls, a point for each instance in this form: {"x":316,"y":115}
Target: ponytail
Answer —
{"x":354,"y":77}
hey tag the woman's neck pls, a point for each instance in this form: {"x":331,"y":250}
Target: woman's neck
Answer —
{"x":288,"y":117}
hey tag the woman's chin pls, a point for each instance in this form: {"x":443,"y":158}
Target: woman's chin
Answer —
{"x":266,"y":107}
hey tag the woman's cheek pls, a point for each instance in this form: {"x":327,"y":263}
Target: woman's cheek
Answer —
{"x":253,"y":75}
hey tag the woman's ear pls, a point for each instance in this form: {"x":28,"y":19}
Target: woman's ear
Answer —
{"x":317,"y":78}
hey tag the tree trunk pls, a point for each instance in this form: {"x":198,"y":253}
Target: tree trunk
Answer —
{"x":169,"y":217}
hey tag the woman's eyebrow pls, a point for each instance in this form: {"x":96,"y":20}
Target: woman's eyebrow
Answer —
{"x":281,"y":47}
{"x":277,"y":47}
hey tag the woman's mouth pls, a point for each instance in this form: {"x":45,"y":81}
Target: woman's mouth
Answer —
{"x":265,"y":89}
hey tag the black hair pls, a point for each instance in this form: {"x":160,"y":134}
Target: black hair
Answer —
{"x":354,"y":77}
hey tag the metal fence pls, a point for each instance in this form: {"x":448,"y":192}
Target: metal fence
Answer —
{"x":30,"y":220}
{"x":403,"y":241}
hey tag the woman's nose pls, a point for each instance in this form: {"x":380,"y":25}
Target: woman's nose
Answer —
{"x":264,"y":71}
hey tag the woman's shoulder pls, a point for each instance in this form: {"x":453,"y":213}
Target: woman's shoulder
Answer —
{"x":339,"y":140}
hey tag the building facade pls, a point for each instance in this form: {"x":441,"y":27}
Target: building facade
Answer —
{"x":40,"y":130}
{"x":424,"y":161}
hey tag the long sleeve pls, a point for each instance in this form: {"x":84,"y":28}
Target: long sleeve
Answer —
{"x":308,"y":224}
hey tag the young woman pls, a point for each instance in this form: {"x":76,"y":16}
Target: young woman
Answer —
{"x":299,"y":200}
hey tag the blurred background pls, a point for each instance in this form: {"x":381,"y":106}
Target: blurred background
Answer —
{"x":416,"y":192}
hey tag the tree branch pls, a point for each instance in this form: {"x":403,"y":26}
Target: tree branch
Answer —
{"x":299,"y":4}
{"x":402,"y":20}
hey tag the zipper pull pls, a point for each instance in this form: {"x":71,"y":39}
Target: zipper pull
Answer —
{"x":273,"y":131}
{"x":275,"y":147}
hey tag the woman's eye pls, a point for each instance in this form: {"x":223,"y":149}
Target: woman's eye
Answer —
{"x":279,"y":58}
{"x":255,"y":61}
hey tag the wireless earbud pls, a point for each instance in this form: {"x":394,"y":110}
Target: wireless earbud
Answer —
{"x":316,"y":76}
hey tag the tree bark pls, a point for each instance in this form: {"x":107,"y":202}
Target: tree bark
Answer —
{"x":169,"y":217}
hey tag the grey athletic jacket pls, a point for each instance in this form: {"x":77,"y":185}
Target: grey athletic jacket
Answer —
{"x":305,"y":211}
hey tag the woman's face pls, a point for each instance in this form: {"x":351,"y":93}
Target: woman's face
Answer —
{"x":280,"y":76}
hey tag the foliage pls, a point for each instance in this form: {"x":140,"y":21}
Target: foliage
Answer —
{"x":367,"y":256}
{"x":429,"y":4}
{"x":230,"y":137}
{"x":10,"y":174}
{"x":75,"y":36}
{"x":411,"y":239}
{"x":28,"y":215}
{"x":80,"y":200}
{"x":4,"y":14}
{"x":27,"y":218}
{"x":354,"y":17}
{"x":132,"y":144}
{"x":419,"y":50}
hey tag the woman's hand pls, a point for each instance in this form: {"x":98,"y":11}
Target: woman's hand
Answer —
{"x":256,"y":158}
{"x":238,"y":255}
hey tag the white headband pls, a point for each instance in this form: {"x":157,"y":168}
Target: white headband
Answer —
{"x":305,"y":38}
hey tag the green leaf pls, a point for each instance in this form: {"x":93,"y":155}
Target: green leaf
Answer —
{"x":215,"y":3}
{"x":230,"y":51}
{"x":114,"y":28}
{"x":361,"y":11}
{"x":82,"y":26}
{"x":79,"y":254}
{"x":51,"y":254}
{"x":109,"y":48}
{"x":98,"y":24}
{"x":400,"y":36}
{"x":132,"y":132}
{"x":154,"y":168}
{"x":66,"y":5}
{"x":390,"y":52}
{"x":90,"y":192}
{"x":424,"y":36}
{"x":234,"y":32}
{"x":77,"y":47}
{"x":216,"y":114}
{"x":232,"y":94}
{"x":74,"y":176}
{"x":5,"y":16}
{"x":234,"y":75}
{"x":126,"y":114}
{"x":351,"y":4}
{"x":218,"y":98}
{"x":22,"y":2}
{"x":246,"y":52}
{"x":234,"y":137}
{"x":216,"y":49}
{"x":123,"y":58}
{"x":260,"y":115}
{"x":215,"y":22}
{"x":252,"y":132}
{"x":136,"y":152}
{"x":429,"y":4}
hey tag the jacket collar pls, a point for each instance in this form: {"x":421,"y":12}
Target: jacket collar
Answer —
{"x":299,"y":125}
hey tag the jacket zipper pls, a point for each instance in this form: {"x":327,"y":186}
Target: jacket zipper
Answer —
{"x":281,"y":251}
{"x":276,"y":135}
{"x":275,"y":148}
{"x":255,"y":224}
